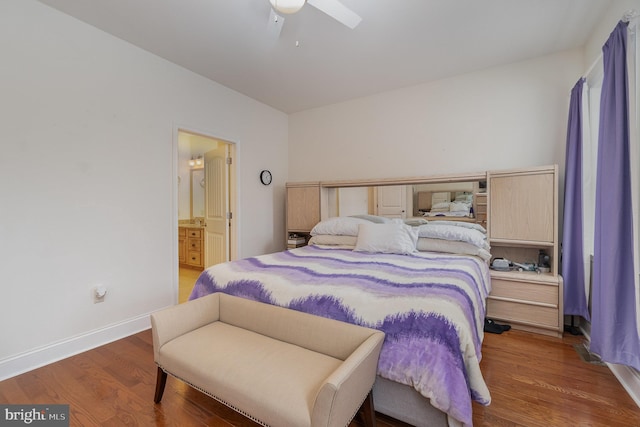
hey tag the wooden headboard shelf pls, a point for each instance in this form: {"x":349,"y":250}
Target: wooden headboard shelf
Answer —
{"x":434,"y":179}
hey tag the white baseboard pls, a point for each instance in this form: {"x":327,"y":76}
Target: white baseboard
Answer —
{"x":629,"y":378}
{"x":27,"y":361}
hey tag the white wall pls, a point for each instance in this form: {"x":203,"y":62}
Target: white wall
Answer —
{"x":509,"y":116}
{"x":88,"y":180}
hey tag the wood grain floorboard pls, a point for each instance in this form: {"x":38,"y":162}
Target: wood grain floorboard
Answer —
{"x":534,"y":381}
{"x":542,"y":381}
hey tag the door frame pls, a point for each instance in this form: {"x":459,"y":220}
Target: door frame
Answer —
{"x":233,"y":195}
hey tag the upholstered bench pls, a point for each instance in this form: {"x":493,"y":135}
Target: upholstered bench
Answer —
{"x":277,"y":366}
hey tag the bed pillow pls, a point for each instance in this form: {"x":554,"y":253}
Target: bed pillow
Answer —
{"x":392,"y":238}
{"x":415,"y":222}
{"x":441,"y":206}
{"x":334,"y":240}
{"x":468,"y":198}
{"x":455,"y":233}
{"x":339,"y":225}
{"x":373,"y":218}
{"x":472,"y":225}
{"x":459,"y":207}
{"x":452,"y":247}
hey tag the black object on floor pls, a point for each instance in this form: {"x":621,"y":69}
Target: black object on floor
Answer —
{"x":572,"y":329}
{"x":495,"y":328}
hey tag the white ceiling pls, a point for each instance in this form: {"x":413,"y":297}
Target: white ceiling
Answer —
{"x":399,"y":43}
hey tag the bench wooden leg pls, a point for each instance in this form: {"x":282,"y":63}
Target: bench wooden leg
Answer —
{"x":161,"y":381}
{"x":368,"y":412}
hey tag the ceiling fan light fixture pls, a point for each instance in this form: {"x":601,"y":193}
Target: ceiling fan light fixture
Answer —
{"x":287,"y":6}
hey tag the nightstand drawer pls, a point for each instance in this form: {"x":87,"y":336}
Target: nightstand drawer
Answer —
{"x":517,"y":312}
{"x":525,"y":291}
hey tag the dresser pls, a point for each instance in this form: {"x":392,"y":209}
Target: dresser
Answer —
{"x":191,"y":247}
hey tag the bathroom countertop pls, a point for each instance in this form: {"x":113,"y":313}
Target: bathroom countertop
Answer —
{"x":190,"y":226}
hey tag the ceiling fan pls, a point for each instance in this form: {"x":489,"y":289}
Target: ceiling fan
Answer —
{"x":333,"y":8}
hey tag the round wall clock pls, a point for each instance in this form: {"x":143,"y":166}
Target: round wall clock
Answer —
{"x":265,"y":177}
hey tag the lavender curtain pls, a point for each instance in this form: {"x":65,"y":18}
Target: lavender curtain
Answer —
{"x":575,"y":299}
{"x":614,"y":334}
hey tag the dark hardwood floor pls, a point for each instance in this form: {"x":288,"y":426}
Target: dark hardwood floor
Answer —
{"x":534,"y":381}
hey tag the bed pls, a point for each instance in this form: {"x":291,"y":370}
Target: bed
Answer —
{"x":368,"y":271}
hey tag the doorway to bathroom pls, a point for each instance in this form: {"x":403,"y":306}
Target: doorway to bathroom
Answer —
{"x":206,"y":206}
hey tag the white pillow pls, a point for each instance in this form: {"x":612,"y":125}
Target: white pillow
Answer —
{"x":459,"y":207}
{"x":392,"y":238}
{"x":473,"y":225}
{"x":452,"y":232}
{"x":440,"y":205}
{"x":464,"y":198}
{"x":339,"y":225}
{"x":414,"y":222}
{"x":334,"y":240}
{"x":373,"y":218}
{"x":452,"y":247}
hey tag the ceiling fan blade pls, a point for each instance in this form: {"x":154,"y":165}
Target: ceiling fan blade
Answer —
{"x":338,"y":11}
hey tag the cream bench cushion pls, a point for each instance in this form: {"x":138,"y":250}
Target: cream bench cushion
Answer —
{"x":279,"y":367}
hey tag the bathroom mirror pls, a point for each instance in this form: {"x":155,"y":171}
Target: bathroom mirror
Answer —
{"x":197,"y":193}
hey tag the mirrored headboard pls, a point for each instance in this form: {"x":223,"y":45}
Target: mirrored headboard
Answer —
{"x":354,"y":197}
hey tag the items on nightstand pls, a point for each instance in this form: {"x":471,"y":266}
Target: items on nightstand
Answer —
{"x":295,"y":241}
{"x":544,"y":261}
{"x":501,"y":264}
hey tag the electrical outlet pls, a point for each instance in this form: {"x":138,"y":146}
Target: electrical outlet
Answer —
{"x":99,"y":293}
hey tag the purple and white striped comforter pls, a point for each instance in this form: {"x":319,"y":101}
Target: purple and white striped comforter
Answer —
{"x":430,"y":305}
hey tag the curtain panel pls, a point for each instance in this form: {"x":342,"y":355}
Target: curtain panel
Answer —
{"x":614,"y":332}
{"x":573,"y":271}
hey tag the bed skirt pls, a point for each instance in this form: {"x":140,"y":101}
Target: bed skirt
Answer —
{"x":403,"y":403}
